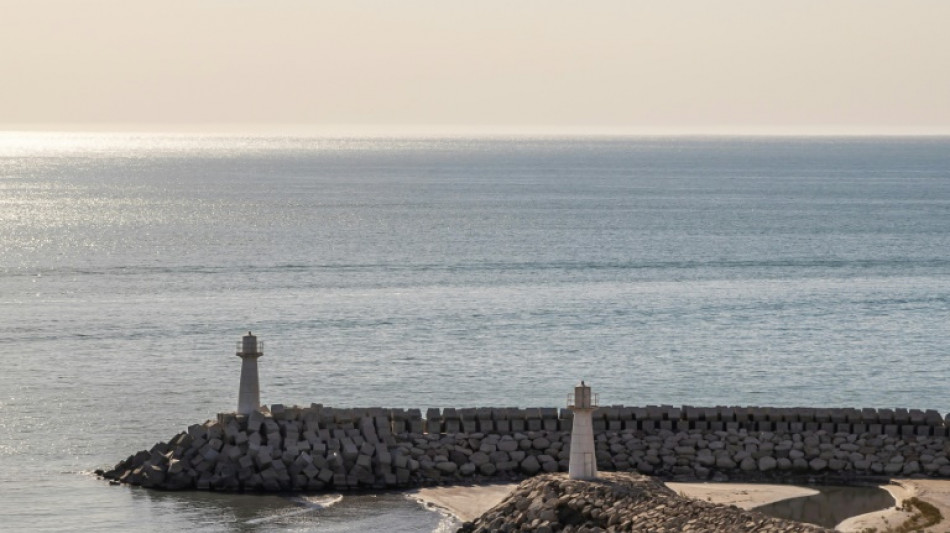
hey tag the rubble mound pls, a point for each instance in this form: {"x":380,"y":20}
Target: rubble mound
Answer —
{"x":617,"y":502}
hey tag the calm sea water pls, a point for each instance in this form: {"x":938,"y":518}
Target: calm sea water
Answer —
{"x":442,"y":272}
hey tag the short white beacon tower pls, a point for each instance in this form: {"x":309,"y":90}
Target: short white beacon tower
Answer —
{"x":583,"y":463}
{"x":249,"y":395}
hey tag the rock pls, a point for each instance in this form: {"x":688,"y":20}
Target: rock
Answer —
{"x":530,"y":465}
{"x":487,"y":469}
{"x":767,"y":463}
{"x":725,"y":463}
{"x":447,"y":467}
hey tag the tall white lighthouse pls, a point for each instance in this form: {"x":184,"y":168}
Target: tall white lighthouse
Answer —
{"x":583,"y":462}
{"x":249,"y":395}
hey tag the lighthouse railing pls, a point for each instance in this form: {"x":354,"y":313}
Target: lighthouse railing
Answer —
{"x":594,"y":400}
{"x":239,"y":346}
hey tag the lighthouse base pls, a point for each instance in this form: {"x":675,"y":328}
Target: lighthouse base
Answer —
{"x":583,"y":462}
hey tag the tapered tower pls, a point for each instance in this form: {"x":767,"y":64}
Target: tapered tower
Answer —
{"x":249,"y":395}
{"x":583,"y":462}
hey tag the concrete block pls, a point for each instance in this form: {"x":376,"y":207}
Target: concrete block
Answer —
{"x":691,"y":413}
{"x":368,"y":448}
{"x":349,"y":450}
{"x":901,"y":416}
{"x":932,"y":418}
{"x":383,"y":425}
{"x":517,"y":425}
{"x":891,"y":429}
{"x":726,"y":414}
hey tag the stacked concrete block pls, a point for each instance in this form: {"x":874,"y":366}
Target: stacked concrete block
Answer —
{"x":322,"y":448}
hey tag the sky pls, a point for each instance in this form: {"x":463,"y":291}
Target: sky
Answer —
{"x":736,"y":66}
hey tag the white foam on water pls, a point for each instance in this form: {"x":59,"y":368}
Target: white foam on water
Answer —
{"x":308,"y":503}
{"x":449,"y":523}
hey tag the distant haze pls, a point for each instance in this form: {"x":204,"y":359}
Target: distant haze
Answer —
{"x":847,"y":66}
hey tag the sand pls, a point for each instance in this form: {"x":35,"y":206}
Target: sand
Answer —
{"x":743,"y":495}
{"x":933,"y":491}
{"x":465,"y":502}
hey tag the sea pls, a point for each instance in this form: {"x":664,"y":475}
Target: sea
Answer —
{"x":442,"y":271}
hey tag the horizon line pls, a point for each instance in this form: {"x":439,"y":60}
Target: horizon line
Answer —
{"x":461,"y":130}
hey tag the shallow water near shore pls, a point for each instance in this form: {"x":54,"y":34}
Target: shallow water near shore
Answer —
{"x":437,"y":272}
{"x":831,"y":506}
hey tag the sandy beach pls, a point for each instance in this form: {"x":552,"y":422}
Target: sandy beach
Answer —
{"x":465,"y":502}
{"x":468,"y":502}
{"x":744,"y":495}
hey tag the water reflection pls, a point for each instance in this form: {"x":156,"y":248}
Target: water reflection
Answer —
{"x":209,"y":511}
{"x":831,"y":505}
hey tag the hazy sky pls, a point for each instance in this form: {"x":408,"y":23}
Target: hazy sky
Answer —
{"x":855,"y":65}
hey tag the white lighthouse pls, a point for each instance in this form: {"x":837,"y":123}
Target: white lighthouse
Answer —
{"x":249,"y":395}
{"x":583,"y":463}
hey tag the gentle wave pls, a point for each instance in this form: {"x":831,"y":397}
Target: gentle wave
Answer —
{"x":487,"y":266}
{"x":308,"y":503}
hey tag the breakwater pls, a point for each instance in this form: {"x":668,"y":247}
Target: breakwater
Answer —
{"x":322,"y":448}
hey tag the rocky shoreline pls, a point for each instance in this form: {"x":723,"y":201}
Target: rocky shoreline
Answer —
{"x":617,"y":502}
{"x":318,"y":448}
